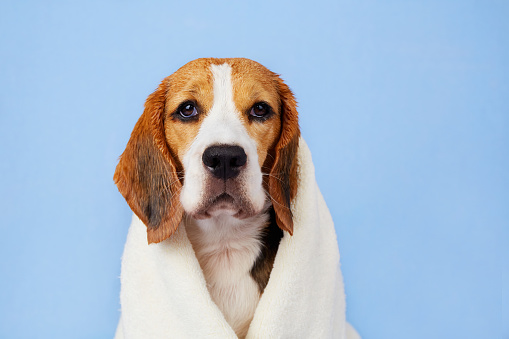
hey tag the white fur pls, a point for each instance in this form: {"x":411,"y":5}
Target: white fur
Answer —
{"x":222,"y":125}
{"x":226,"y":249}
{"x":225,"y":246}
{"x":164,"y":293}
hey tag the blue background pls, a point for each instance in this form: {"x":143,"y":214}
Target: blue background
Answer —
{"x":405,"y":105}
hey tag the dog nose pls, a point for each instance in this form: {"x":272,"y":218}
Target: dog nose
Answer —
{"x":224,"y":162}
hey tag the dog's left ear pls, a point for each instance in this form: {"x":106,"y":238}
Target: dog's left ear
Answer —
{"x":146,"y":174}
{"x":283,"y":175}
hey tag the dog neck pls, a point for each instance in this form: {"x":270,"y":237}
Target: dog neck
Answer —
{"x":228,"y":250}
{"x":226,"y":242}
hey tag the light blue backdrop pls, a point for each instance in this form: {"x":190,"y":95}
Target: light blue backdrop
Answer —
{"x":403,"y":103}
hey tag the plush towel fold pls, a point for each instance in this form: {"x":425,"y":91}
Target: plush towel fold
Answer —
{"x":164,"y":293}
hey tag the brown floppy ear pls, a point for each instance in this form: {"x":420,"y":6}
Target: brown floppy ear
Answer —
{"x":283,"y":175}
{"x":146,"y":173}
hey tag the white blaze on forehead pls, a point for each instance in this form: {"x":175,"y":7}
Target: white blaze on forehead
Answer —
{"x":223,"y":89}
{"x":221,"y":126}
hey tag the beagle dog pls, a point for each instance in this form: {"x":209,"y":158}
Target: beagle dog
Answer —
{"x":214,"y":152}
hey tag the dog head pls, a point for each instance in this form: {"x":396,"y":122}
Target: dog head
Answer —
{"x":219,"y":136}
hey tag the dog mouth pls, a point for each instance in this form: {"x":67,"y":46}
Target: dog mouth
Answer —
{"x":223,"y":201}
{"x":224,"y":204}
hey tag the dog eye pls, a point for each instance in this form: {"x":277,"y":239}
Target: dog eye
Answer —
{"x":260,"y":110}
{"x":187,"y":110}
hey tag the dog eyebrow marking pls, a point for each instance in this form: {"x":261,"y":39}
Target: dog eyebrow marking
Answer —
{"x":195,"y":89}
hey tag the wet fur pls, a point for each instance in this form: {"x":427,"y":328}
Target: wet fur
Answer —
{"x":236,"y":255}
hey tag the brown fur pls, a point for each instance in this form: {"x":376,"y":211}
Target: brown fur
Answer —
{"x":192,"y":82}
{"x":253,"y":83}
{"x":150,"y":173}
{"x":146,"y":174}
{"x":264,"y":263}
{"x":283,"y":176}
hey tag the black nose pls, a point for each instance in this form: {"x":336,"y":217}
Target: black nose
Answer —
{"x":223,"y":161}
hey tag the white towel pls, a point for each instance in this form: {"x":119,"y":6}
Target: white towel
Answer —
{"x":164,"y":294}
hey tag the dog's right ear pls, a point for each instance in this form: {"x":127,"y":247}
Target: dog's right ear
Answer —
{"x":283,"y":183}
{"x":146,"y":174}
